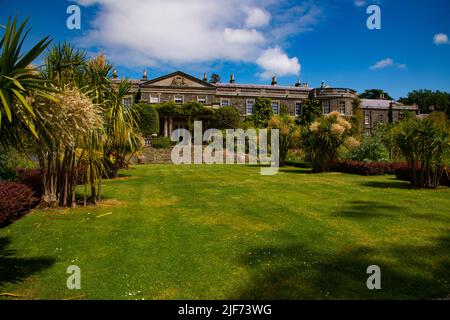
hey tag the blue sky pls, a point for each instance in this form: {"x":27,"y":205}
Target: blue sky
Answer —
{"x":310,"y":40}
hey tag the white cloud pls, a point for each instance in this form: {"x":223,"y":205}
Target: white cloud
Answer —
{"x":256,"y":17}
{"x":275,"y":62}
{"x":441,"y":38}
{"x":386,"y":63}
{"x":242,"y":36}
{"x":360,"y":3}
{"x":138,"y":33}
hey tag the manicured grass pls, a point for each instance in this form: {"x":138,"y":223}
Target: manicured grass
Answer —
{"x":226,"y":232}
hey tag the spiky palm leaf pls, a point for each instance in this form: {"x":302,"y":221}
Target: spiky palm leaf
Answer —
{"x":18,"y":79}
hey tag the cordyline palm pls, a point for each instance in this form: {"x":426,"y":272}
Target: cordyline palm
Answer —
{"x":121,"y":128}
{"x":423,"y":142}
{"x":64,"y":65}
{"x":18,"y":79}
{"x":96,"y":84}
{"x":95,"y":80}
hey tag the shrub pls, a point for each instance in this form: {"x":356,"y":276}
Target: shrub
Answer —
{"x":149,"y":119}
{"x":32,"y":178}
{"x":226,"y":118}
{"x":367,"y":168}
{"x":424,"y":143}
{"x":322,"y":140}
{"x":15,"y":200}
{"x":288,"y":134}
{"x":161,"y":143}
{"x":370,"y":149}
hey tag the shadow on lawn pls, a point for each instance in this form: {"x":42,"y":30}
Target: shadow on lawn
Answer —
{"x":296,"y":272}
{"x":15,"y":269}
{"x":368,"y":209}
{"x":393,"y":184}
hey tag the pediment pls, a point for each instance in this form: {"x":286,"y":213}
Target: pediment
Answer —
{"x":178,"y":79}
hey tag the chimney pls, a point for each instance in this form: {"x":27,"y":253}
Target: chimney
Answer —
{"x":274,"y":81}
{"x":298,"y":83}
{"x":144,"y":75}
{"x":232,"y":78}
{"x":114,"y":74}
{"x":205,"y":77}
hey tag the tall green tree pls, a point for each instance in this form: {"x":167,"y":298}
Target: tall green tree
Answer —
{"x":426,"y":99}
{"x":311,"y":110}
{"x":262,"y":112}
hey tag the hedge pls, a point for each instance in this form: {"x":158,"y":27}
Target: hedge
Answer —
{"x":16,"y":200}
{"x":366,"y":168}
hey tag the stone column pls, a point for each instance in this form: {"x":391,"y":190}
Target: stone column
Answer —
{"x":166,"y":129}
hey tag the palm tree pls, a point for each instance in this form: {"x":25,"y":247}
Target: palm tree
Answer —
{"x":122,"y":131}
{"x":18,"y":79}
{"x":64,"y":64}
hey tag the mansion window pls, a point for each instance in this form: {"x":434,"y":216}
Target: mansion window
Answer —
{"x":342,"y":107}
{"x":298,"y":108}
{"x":201,"y":99}
{"x":276,"y":107}
{"x":366,"y":118}
{"x":224,"y":102}
{"x":250,"y":106}
{"x":154,"y":98}
{"x":127,"y":102}
{"x":178,"y":99}
{"x":326,"y":108}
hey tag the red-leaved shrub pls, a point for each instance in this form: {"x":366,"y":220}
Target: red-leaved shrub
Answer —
{"x":32,"y":178}
{"x":16,"y":199}
{"x":366,"y":168}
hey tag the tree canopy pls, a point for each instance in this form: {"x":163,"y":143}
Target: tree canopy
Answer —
{"x":425,"y":99}
{"x":375,"y":94}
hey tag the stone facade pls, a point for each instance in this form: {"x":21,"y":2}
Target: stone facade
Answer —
{"x":180,"y":87}
{"x":377,"y":111}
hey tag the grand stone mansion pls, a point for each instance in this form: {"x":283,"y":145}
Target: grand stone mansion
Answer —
{"x":180,"y":88}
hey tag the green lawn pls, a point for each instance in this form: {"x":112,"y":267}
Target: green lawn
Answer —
{"x":225,"y":232}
